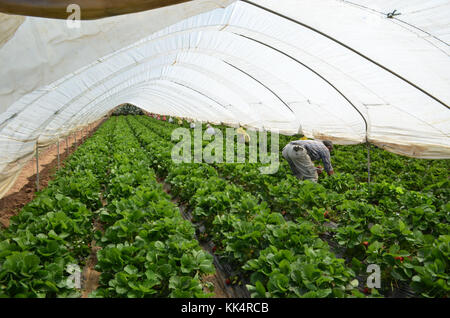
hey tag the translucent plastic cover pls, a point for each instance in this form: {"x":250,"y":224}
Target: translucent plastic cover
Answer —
{"x":347,"y":71}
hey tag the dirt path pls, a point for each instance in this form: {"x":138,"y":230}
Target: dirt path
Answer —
{"x":23,"y":190}
{"x":90,"y":276}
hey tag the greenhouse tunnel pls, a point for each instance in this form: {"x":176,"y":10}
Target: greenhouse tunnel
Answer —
{"x":288,"y":66}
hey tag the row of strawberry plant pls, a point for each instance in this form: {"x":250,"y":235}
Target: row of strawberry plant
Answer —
{"x":397,"y":229}
{"x":248,"y":234}
{"x":410,"y":173}
{"x":148,"y":250}
{"x":54,"y":231}
{"x":405,"y":232}
{"x":403,"y":253}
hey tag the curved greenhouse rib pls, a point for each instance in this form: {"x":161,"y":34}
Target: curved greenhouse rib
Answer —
{"x":255,"y":79}
{"x":351,"y":49}
{"x":363,"y":116}
{"x":121,"y":70}
{"x":401,"y":21}
{"x":183,"y":100}
{"x":319,"y":75}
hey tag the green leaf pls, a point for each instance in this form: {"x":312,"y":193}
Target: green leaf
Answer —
{"x":377,"y":230}
{"x":121,"y":290}
{"x":130,"y":269}
{"x":260,"y":289}
{"x":207,"y":267}
{"x":159,"y":245}
{"x":354,"y":283}
{"x":52,"y":286}
{"x":416,"y":278}
{"x":285,"y":267}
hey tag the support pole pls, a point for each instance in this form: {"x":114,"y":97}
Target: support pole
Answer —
{"x":37,"y":167}
{"x":67,"y":145}
{"x":57,"y":143}
{"x":368,"y":165}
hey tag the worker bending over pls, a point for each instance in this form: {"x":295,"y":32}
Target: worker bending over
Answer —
{"x":300,"y":155}
{"x":242,"y":135}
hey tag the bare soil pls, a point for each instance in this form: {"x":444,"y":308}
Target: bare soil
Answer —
{"x":219,"y":292}
{"x":90,"y":276}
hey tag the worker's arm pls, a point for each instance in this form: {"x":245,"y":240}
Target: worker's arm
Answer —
{"x":327,"y":163}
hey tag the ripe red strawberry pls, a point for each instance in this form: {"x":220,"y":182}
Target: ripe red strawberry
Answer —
{"x":214,"y":249}
{"x":228,"y":281}
{"x":365,"y":243}
{"x":400,"y":258}
{"x":366,"y":291}
{"x":326,"y":214}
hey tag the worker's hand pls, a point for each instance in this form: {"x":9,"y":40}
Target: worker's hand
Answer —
{"x":319,"y":169}
{"x":330,"y":173}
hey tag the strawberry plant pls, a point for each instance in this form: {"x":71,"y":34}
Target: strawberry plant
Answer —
{"x":395,"y":210}
{"x":269,"y":228}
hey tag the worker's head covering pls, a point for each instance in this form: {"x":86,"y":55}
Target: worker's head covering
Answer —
{"x":328,"y":144}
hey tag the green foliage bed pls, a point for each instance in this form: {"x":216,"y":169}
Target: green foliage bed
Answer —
{"x":274,"y":229}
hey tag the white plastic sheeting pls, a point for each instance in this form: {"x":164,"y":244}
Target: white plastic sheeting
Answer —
{"x":338,"y":70}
